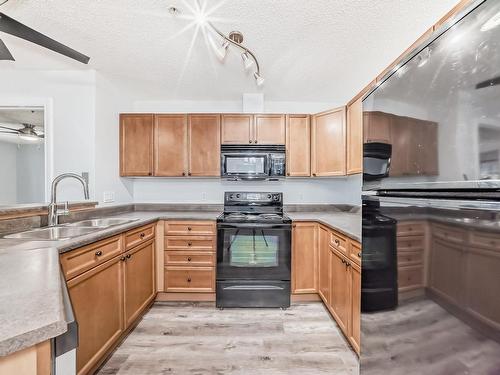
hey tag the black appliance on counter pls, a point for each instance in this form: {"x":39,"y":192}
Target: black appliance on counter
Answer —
{"x":433,"y":222}
{"x":253,"y":251}
{"x":259,"y":162}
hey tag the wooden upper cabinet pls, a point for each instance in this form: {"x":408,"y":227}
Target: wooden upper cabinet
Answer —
{"x":305,"y":258}
{"x":298,"y":145}
{"x":355,"y":137}
{"x":377,"y":127}
{"x":204,"y":145}
{"x":170,"y":151}
{"x":328,"y":143}
{"x":269,"y":129}
{"x":136,"y":144}
{"x":237,"y":129}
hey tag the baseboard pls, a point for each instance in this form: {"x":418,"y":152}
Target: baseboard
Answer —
{"x":309,"y":297}
{"x":185,"y":297}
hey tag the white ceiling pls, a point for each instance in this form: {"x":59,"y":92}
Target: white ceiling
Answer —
{"x":318,"y":50}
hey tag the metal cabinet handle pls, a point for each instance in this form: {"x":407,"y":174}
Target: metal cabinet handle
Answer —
{"x":250,"y":141}
{"x":123,"y":259}
{"x":142,"y":235}
{"x":189,"y":259}
{"x":98,"y":253}
{"x":343,"y":261}
{"x":128,"y":256}
{"x":314,"y":174}
{"x":189,"y":279}
{"x":189,"y":228}
{"x":189,"y":243}
{"x":359,"y":254}
{"x":189,"y":173}
{"x":337,"y":242}
{"x":183,"y":173}
{"x":255,"y":141}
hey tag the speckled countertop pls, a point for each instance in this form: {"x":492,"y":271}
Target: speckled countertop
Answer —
{"x":32,"y":309}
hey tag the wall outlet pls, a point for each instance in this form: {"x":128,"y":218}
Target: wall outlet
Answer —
{"x":108,"y":197}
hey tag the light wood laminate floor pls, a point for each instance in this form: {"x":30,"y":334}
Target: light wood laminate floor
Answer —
{"x":420,"y":337}
{"x":198,"y":339}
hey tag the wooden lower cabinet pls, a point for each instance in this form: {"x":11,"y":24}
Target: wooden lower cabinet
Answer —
{"x":355,"y":309}
{"x":190,"y":279}
{"x":324,"y":278}
{"x":304,"y":258}
{"x":139,"y":280}
{"x":97,"y":298}
{"x":340,"y":298}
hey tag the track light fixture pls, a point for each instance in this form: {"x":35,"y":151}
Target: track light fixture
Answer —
{"x":247,"y":61}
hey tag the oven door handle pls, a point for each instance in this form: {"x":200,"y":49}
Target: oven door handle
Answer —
{"x":254,"y":226}
{"x":253,"y":287}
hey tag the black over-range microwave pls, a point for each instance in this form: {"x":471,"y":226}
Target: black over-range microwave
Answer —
{"x":240,"y":162}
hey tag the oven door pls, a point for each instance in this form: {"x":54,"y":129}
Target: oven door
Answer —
{"x":254,"y":165}
{"x":253,"y":252}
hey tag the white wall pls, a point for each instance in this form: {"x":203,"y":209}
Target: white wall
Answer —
{"x":73,"y":97}
{"x":30,"y":173}
{"x":8,"y":191}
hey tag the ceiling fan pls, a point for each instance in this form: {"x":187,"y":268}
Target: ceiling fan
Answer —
{"x":11,"y":26}
{"x":28,"y":132}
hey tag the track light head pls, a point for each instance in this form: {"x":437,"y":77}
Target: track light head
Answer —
{"x":222,"y":50}
{"x":258,"y":79}
{"x":247,"y":61}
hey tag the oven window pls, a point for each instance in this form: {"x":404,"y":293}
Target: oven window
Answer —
{"x":254,"y":250}
{"x":245,"y":164}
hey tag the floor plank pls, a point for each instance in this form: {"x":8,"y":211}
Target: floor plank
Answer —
{"x":198,"y":339}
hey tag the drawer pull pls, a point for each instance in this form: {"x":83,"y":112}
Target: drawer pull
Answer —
{"x":337,"y":242}
{"x":98,"y":253}
{"x":123,"y":259}
{"x":189,"y":279}
{"x":142,"y":235}
{"x":190,"y":243}
{"x":189,"y":259}
{"x":189,"y":228}
{"x":128,"y":256}
{"x":343,"y":261}
{"x":359,"y":254}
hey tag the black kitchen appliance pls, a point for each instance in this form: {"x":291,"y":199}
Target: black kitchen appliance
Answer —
{"x":262,"y":162}
{"x":253,"y":251}
{"x":433,"y":221}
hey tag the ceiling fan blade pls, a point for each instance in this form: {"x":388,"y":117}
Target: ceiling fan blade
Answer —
{"x":10,"y":129}
{"x":4,"y":52}
{"x":488,"y":83}
{"x":11,"y":26}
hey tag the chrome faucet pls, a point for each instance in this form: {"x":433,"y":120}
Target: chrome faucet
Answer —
{"x":54,"y":212}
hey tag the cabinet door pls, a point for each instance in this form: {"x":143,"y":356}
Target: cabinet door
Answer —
{"x":324,"y":265}
{"x":355,"y":308}
{"x":204,"y":145}
{"x":237,"y":129}
{"x":170,"y":153}
{"x":298,"y":146}
{"x":139,"y":280}
{"x":304,"y":258}
{"x":340,"y":286}
{"x":355,"y":137}
{"x":328,"y":143}
{"x":97,"y":298}
{"x":376,"y":127}
{"x":447,"y":269}
{"x":403,"y":146}
{"x":269,"y":129}
{"x":136,"y":145}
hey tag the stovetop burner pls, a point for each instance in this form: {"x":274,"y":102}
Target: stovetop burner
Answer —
{"x":252,"y":217}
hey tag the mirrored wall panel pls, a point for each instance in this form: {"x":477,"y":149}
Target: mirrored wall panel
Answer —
{"x":22,"y":154}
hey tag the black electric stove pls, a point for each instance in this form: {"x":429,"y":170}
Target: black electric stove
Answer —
{"x":253,"y":251}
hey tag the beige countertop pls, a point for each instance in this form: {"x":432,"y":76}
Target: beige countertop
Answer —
{"x":32,"y":309}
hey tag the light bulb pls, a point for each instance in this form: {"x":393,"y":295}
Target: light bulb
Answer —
{"x":222,"y":50}
{"x":258,"y":79}
{"x":247,"y":61}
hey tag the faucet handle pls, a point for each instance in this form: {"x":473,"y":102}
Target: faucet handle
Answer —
{"x":66,"y":208}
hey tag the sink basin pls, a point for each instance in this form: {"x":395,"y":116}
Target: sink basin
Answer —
{"x":100,"y":223}
{"x":51,"y":233}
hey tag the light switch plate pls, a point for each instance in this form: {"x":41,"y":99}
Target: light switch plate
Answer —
{"x":108,"y":197}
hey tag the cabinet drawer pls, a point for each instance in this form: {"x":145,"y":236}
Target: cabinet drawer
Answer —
{"x":184,"y":279}
{"x":339,"y":242}
{"x":407,"y":258}
{"x":199,"y":243}
{"x":183,"y":228}
{"x":488,"y":240}
{"x":409,"y":277}
{"x":83,"y":259}
{"x":410,"y":228}
{"x":189,"y":258}
{"x":410,"y":242}
{"x":138,"y":236}
{"x":355,"y":252}
{"x":451,"y":234}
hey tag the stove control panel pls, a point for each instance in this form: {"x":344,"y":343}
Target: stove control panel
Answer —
{"x":252,"y":198}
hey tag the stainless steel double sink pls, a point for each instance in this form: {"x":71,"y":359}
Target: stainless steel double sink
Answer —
{"x":67,"y":231}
